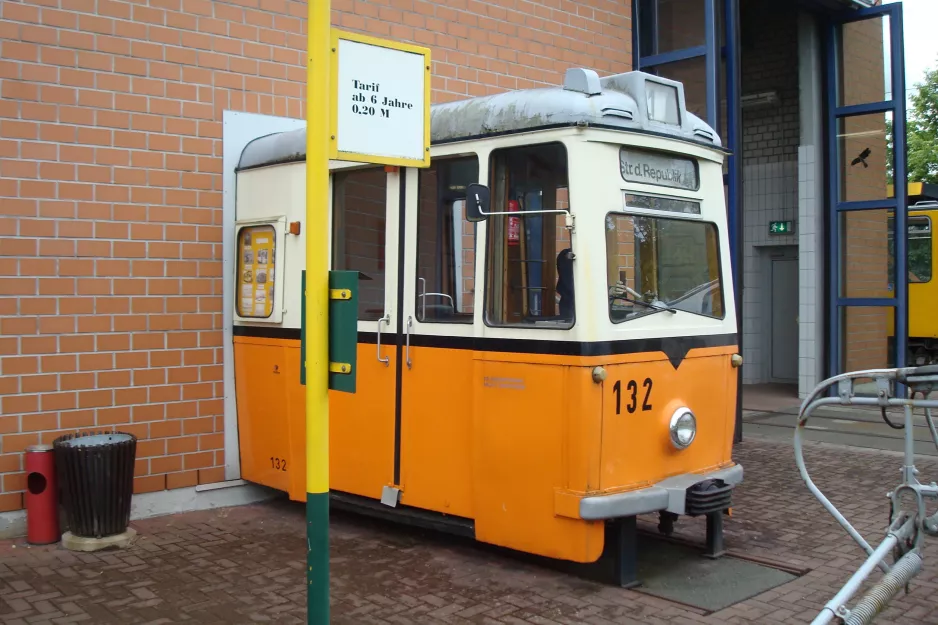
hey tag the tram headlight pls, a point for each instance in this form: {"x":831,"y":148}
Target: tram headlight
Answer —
{"x":683,"y":428}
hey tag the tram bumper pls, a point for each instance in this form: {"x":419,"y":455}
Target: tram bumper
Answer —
{"x":691,"y":494}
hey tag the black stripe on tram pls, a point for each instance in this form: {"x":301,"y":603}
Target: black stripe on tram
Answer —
{"x":264,"y":332}
{"x":676,"y":348}
{"x":399,"y":374}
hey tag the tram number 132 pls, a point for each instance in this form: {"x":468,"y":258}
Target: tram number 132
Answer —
{"x":631,"y":389}
{"x":279,"y":464}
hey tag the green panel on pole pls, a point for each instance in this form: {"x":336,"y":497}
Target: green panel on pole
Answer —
{"x":343,"y":330}
{"x":303,"y":328}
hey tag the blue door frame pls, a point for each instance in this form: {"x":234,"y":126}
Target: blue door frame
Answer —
{"x":898,"y":203}
{"x":731,"y":135}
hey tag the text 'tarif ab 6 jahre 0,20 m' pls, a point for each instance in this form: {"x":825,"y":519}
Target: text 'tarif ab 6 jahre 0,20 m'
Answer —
{"x":367,"y":93}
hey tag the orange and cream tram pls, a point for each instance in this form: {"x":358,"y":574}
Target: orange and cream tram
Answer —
{"x":534,"y":369}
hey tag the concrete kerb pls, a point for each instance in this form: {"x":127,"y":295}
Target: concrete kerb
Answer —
{"x":162,"y":503}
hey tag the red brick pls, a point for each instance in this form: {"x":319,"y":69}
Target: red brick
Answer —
{"x":13,"y":443}
{"x":165,"y":429}
{"x":185,"y":444}
{"x":15,"y":404}
{"x":166,"y":464}
{"x":19,"y":365}
{"x":199,"y":460}
{"x":113,"y":416}
{"x":19,"y":326}
{"x":9,"y":463}
{"x":182,"y":480}
{"x":149,"y":484}
{"x":11,"y":501}
{"x":211,"y":476}
{"x":96,"y":362}
{"x":9,"y":425}
{"x":95,"y":399}
{"x":76,"y":419}
{"x":77,"y":381}
{"x":50,"y":420}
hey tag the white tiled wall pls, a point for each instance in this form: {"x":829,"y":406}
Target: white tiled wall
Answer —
{"x":771,"y":135}
{"x":811,"y":204}
{"x":783,"y":180}
{"x":810,"y":269}
{"x":770,"y":193}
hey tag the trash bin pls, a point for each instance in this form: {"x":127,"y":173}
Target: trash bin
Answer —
{"x":96,"y":480}
{"x":42,"y":502}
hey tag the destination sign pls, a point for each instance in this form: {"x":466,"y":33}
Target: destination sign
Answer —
{"x":658,"y":169}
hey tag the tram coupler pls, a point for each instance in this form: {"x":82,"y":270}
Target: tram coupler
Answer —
{"x":710,"y":498}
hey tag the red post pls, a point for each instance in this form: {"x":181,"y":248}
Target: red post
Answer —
{"x":42,"y":505}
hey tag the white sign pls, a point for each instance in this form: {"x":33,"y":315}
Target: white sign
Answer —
{"x":381,"y":109}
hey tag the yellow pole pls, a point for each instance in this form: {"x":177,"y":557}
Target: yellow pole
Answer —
{"x":317,"y":311}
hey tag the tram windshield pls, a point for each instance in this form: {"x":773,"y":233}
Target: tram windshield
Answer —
{"x":661,"y":265}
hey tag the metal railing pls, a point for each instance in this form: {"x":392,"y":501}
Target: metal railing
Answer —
{"x":907,"y":528}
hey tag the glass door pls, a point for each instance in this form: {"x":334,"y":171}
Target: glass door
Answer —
{"x":868,"y":292}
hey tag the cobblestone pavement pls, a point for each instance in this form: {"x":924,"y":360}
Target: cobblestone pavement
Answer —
{"x":246,"y":564}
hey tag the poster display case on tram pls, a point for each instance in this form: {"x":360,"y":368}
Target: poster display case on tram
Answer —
{"x":259,"y":252}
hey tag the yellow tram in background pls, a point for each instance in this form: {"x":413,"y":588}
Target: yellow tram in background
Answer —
{"x":533,"y":369}
{"x":923,"y":289}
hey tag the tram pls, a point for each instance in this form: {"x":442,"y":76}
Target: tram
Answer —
{"x":923,"y":289}
{"x":547,"y":340}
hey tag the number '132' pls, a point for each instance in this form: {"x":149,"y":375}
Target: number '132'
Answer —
{"x":632,"y":395}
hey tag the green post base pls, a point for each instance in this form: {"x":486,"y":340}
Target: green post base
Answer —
{"x":317,"y":558}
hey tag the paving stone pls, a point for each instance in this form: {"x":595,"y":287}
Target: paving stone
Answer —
{"x":246,"y":565}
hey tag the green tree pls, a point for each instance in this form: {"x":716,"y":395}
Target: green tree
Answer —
{"x":921,"y":133}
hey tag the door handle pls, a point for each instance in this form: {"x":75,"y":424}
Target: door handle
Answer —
{"x":410,"y":323}
{"x":386,"y":319}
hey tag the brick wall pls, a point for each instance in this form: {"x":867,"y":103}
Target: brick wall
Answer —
{"x":111,"y":190}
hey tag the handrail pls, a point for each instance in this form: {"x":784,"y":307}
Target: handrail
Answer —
{"x":904,"y":538}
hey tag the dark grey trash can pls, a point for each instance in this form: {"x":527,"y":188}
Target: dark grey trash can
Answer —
{"x":96,"y":481}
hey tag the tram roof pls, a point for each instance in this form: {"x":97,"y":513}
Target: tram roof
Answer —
{"x":634,"y":102}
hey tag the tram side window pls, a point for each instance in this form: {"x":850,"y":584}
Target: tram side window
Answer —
{"x":529,"y":264}
{"x":445,"y":242}
{"x":919,"y":249}
{"x":359,"y":234}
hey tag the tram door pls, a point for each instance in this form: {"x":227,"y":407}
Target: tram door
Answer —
{"x":365,"y":230}
{"x":434,"y":458}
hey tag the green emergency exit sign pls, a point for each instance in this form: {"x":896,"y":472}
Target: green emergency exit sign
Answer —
{"x":781,"y":227}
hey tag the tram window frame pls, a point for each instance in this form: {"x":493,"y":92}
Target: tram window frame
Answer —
{"x":497,"y":231}
{"x":690,"y":219}
{"x":441,"y":219}
{"x":341,"y":230}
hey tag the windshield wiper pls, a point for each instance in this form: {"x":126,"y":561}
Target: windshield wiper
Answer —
{"x":639,"y":300}
{"x":670,"y":309}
